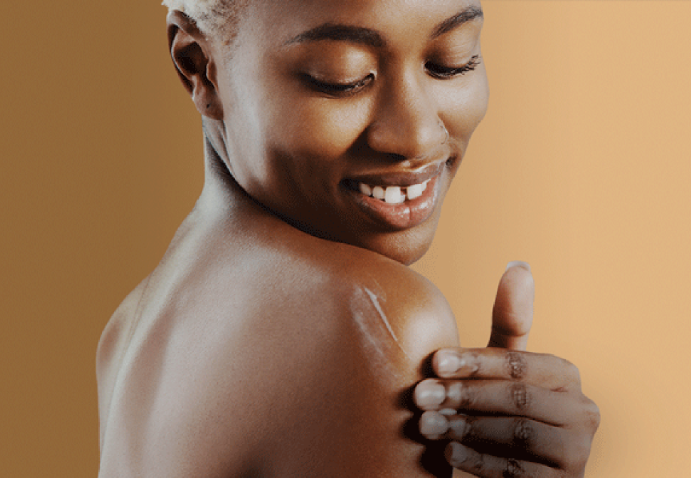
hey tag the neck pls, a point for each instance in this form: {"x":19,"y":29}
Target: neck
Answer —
{"x":221,"y":192}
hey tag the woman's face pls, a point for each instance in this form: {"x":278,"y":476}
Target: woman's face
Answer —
{"x":349,"y":118}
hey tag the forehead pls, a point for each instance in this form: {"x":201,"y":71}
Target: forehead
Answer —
{"x":279,"y":23}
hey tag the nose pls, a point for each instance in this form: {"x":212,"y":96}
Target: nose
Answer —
{"x":406,"y":123}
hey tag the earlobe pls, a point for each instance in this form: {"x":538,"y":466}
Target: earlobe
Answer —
{"x":189,"y":50}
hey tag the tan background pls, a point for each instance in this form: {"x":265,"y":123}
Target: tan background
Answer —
{"x":582,"y":167}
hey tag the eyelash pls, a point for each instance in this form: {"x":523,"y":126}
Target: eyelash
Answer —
{"x":443,"y":72}
{"x":347,"y":89}
{"x":338,"y":89}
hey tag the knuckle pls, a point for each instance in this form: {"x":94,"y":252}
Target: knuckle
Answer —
{"x":578,"y":457}
{"x":572,"y":371}
{"x":584,"y":453}
{"x":478,"y":465}
{"x":568,"y":369}
{"x":516,"y":365}
{"x":465,"y":459}
{"x":593,"y":415}
{"x":575,"y":450}
{"x":520,"y":396}
{"x":513,"y":469}
{"x":523,"y":434}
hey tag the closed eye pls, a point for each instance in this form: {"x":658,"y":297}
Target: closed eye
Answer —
{"x":445,"y":72}
{"x":337,"y":89}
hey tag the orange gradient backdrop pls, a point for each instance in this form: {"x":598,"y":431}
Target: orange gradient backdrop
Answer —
{"x":582,"y":167}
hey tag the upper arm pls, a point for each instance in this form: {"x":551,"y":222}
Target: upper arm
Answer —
{"x":331,"y":389}
{"x":111,"y":349}
{"x":399,"y":321}
{"x":304,"y":379}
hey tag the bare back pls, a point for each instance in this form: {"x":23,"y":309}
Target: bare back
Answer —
{"x":255,"y":349}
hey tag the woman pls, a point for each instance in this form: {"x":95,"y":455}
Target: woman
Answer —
{"x":282,"y":334}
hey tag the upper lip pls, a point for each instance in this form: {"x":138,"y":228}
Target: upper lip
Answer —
{"x":401,"y":178}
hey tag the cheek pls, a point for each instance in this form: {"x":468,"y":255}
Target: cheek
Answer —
{"x":465,"y":108}
{"x":321,"y":127}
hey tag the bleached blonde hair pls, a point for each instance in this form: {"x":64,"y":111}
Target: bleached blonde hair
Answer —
{"x":213,"y":17}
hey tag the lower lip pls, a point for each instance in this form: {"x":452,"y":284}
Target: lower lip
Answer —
{"x":404,"y":215}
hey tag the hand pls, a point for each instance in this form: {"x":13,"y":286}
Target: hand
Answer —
{"x":509,"y":413}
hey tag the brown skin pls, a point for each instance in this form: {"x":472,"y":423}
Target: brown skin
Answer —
{"x":262,"y":354}
{"x":305,"y":143}
{"x":281,"y":334}
{"x":518,"y":414}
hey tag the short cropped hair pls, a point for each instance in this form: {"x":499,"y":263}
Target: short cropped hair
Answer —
{"x":213,"y":17}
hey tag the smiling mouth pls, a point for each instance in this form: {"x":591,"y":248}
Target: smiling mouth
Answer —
{"x":393,"y":194}
{"x":396,"y":187}
{"x":397,"y":202}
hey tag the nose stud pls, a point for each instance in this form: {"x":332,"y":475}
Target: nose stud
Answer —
{"x":446,"y":132}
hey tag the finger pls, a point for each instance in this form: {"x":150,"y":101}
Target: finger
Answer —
{"x":434,"y":425}
{"x":501,"y":397}
{"x":512,"y":315}
{"x":544,"y":370}
{"x":429,"y":394}
{"x":489,"y":466}
{"x":517,"y":437}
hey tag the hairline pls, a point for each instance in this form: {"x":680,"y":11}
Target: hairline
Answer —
{"x":215,"y":18}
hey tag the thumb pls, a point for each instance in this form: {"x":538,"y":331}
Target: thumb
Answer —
{"x":512,"y":315}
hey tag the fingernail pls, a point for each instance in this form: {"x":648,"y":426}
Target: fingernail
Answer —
{"x":522,"y":264}
{"x":429,"y":394}
{"x":455,"y":454}
{"x":448,"y":363}
{"x":433,"y":425}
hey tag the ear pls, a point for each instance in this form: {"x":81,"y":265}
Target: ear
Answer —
{"x":190,"y":51}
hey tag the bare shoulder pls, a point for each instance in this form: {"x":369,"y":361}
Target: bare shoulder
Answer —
{"x":291,"y":358}
{"x":113,"y":345}
{"x":399,"y":306}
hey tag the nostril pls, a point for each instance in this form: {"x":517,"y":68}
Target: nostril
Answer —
{"x":395,"y":157}
{"x":407,"y":127}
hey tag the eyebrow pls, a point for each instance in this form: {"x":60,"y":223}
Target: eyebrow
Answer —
{"x":369,"y":37}
{"x":467,"y":15}
{"x":338,"y":32}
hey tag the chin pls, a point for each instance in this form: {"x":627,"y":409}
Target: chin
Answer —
{"x":409,"y":257}
{"x":406,"y":247}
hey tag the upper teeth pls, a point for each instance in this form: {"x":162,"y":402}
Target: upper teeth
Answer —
{"x":394,"y":194}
